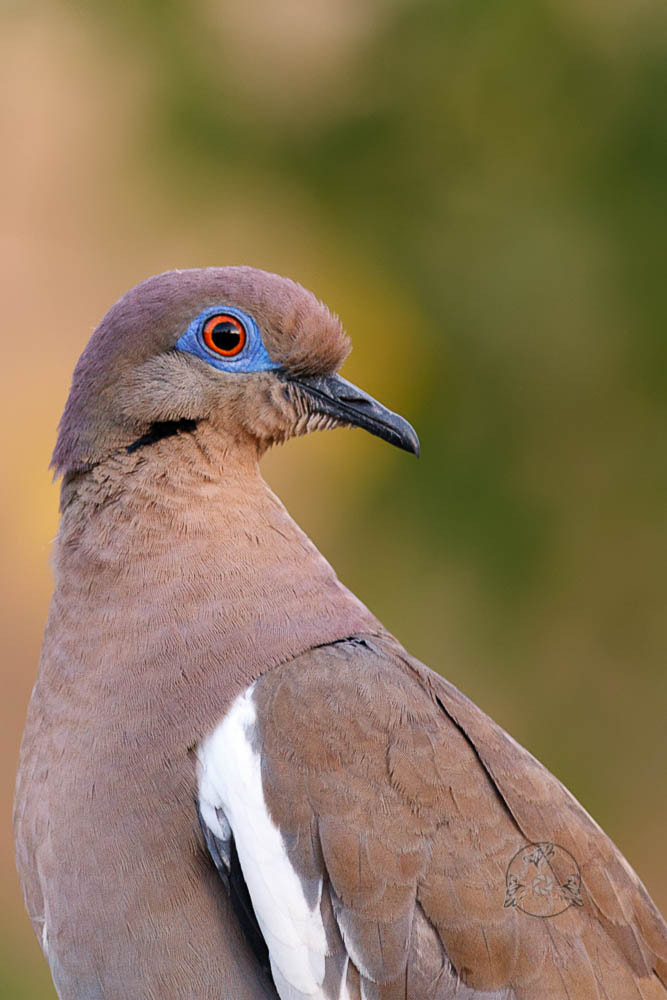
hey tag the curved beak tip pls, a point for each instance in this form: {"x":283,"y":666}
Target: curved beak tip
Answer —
{"x":401,"y":433}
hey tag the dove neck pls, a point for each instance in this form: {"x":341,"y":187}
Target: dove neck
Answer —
{"x":186,"y":547}
{"x":189,"y":493}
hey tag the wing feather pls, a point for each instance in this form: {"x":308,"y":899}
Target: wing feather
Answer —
{"x":405,"y":805}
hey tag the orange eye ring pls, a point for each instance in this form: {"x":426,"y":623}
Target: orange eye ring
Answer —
{"x":224,"y":335}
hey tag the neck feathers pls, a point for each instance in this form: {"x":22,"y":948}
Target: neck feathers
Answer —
{"x":185,"y":566}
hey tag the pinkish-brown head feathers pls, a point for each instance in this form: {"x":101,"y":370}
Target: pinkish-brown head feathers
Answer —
{"x":130,"y":378}
{"x":153,"y":368}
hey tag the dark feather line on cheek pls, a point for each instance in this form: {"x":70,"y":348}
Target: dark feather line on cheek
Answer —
{"x":163,"y":429}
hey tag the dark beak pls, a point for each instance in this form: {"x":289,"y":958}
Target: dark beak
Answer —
{"x":336,"y":397}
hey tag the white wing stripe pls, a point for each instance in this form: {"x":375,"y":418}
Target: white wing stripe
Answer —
{"x":230,"y":780}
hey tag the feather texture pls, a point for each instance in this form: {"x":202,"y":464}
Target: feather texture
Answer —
{"x":420,"y":803}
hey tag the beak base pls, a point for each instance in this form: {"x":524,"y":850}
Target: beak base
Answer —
{"x":336,"y":397}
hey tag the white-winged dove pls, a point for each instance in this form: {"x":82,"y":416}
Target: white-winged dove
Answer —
{"x":234,"y":783}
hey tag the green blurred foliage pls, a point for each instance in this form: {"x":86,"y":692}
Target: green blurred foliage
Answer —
{"x":498,"y":170}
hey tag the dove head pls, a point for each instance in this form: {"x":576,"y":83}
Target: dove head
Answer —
{"x":252,"y":354}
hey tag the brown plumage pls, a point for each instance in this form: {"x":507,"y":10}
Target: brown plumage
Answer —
{"x":183,"y":591}
{"x":419,"y":802}
{"x":125,"y":380}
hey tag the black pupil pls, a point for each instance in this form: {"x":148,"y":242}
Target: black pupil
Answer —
{"x":225,"y":336}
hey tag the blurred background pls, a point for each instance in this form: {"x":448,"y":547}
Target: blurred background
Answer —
{"x":479,"y":189}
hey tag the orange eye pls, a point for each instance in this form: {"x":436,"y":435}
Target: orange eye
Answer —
{"x":224,"y":335}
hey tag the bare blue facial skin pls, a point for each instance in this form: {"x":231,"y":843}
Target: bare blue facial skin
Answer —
{"x":254,"y":357}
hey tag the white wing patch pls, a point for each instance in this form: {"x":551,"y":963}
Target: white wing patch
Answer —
{"x":230,"y":781}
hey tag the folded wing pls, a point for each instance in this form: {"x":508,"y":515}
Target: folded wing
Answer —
{"x":396,"y":843}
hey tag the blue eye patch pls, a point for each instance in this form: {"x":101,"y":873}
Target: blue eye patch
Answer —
{"x":228,"y":339}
